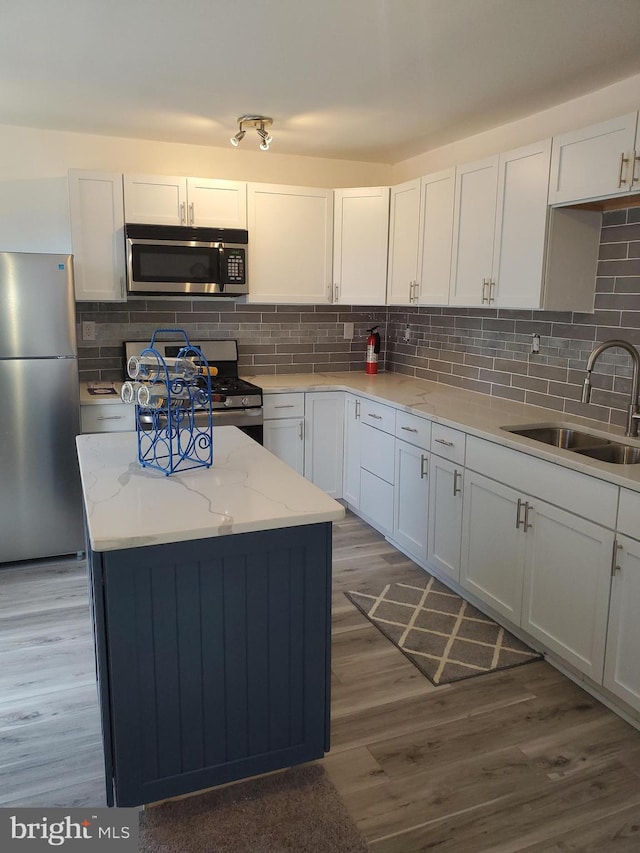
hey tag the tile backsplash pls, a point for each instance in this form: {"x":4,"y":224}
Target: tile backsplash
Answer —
{"x":482,"y":349}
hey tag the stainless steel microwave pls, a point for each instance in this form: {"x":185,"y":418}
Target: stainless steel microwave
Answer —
{"x":179,"y":260}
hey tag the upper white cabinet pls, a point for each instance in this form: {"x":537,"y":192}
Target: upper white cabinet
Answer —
{"x":596,"y":161}
{"x":291,"y":231}
{"x":97,"y":235}
{"x":202,"y":202}
{"x":435,"y":235}
{"x":500,"y":222}
{"x":404,"y":220}
{"x":360,"y":241}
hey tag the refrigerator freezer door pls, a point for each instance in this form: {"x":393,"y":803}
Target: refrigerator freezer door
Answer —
{"x":40,"y":503}
{"x":37,"y":317}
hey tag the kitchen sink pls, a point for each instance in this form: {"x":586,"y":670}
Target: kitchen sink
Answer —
{"x":579,"y":441}
{"x":568,"y":438}
{"x":620,"y":454}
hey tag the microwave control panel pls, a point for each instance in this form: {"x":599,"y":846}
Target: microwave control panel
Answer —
{"x":234,"y":266}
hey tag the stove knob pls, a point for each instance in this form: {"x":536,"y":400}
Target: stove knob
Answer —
{"x":245,"y":401}
{"x":227,"y":401}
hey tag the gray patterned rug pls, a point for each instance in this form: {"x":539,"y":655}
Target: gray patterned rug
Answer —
{"x":442,"y":634}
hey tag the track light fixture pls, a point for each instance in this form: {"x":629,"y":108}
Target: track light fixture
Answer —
{"x":260,"y":123}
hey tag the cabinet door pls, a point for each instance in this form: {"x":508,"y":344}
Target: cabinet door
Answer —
{"x":404,"y":217}
{"x":216,"y":204}
{"x":622,"y":663}
{"x":323,"y":447}
{"x":473,"y":232}
{"x":155,"y":199}
{"x":566,"y":588}
{"x":445,"y":516}
{"x":492,"y":560}
{"x":291,"y":231}
{"x":589,"y":163}
{"x":97,"y":235}
{"x":285,"y":439}
{"x":351,"y":470}
{"x":360,"y":241}
{"x":411,"y":499}
{"x":376,"y":502}
{"x":521,"y":224}
{"x":435,"y":237}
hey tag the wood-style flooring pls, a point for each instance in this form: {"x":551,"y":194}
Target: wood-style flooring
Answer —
{"x":520,"y":760}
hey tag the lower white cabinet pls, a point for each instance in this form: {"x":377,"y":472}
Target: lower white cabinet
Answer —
{"x":492,"y":562}
{"x":567,"y":576}
{"x":622,"y":663}
{"x":351,"y":447}
{"x":445,"y":516}
{"x":323,"y":446}
{"x":107,"y":417}
{"x":284,"y":437}
{"x":377,"y":469}
{"x":411,"y":499}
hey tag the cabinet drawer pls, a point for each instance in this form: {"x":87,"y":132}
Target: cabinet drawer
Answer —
{"x":448,"y":443}
{"x":107,"y":417}
{"x":576,"y":492}
{"x":414,"y":429}
{"x":283,"y":405}
{"x":377,"y":452}
{"x":378,"y":415}
{"x":629,"y":513}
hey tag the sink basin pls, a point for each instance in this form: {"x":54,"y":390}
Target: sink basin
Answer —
{"x":566,"y":437}
{"x":620,"y":454}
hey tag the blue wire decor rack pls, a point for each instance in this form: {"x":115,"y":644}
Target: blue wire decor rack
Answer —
{"x":168,"y":393}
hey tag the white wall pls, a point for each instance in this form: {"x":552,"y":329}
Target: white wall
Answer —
{"x":616,"y":100}
{"x":34,"y":214}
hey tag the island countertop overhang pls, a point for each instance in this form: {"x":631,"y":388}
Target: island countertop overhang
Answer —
{"x":247,"y":489}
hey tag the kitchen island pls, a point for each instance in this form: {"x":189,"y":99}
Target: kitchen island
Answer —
{"x":211,"y":594}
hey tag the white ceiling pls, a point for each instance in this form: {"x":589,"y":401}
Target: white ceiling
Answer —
{"x":372,"y":80}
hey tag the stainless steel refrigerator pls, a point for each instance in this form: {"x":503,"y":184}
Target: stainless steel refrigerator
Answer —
{"x":40,"y":507}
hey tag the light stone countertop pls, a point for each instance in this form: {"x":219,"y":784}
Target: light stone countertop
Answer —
{"x":475,"y":413}
{"x":247,"y":489}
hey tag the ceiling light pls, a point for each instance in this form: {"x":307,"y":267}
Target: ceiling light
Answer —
{"x":257,"y":122}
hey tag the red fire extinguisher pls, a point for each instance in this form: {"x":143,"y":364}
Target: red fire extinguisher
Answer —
{"x":373,"y":348}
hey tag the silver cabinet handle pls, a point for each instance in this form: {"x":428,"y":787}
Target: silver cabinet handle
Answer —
{"x":409,"y":429}
{"x":636,"y":159}
{"x":492,"y":290}
{"x":301,"y":431}
{"x":423,"y":465}
{"x":485,"y":285}
{"x":410,"y":292}
{"x":518,"y":519}
{"x":623,"y":160}
{"x":109,"y":417}
{"x":357,"y":414}
{"x":456,"y":474}
{"x":337,"y":292}
{"x":330,"y":292}
{"x":191,"y":214}
{"x":443,"y":441}
{"x":284,"y":406}
{"x":615,"y":567}
{"x":183,"y":213}
{"x":527,"y":525}
{"x":371,"y":415}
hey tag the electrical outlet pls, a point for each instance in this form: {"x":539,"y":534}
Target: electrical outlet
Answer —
{"x":407,"y":334}
{"x":348,"y":331}
{"x":88,"y":330}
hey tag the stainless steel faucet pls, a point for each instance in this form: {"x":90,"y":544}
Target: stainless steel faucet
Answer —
{"x":633,"y":415}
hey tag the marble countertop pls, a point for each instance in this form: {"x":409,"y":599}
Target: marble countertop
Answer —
{"x":247,"y":489}
{"x":475,"y":413}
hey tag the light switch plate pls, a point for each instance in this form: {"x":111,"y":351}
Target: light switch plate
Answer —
{"x":348,"y":331}
{"x":88,"y":330}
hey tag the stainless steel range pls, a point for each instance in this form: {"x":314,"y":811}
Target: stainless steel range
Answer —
{"x":234,"y":401}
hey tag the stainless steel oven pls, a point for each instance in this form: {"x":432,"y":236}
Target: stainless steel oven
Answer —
{"x":234,"y":401}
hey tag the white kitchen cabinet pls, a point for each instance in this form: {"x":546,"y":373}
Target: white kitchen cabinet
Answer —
{"x":404,"y":222}
{"x":566,"y":588}
{"x":435,"y":237}
{"x":622,"y":661}
{"x":596,"y":161}
{"x":499,"y":234}
{"x":97,"y":235}
{"x":411,"y":499}
{"x":324,"y":436}
{"x":284,"y":437}
{"x":171,"y":200}
{"x":377,"y":471}
{"x":107,"y":417}
{"x":445,"y":516}
{"x":492,"y":555}
{"x":291,"y":230}
{"x":351,"y":470}
{"x":360,"y":242}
